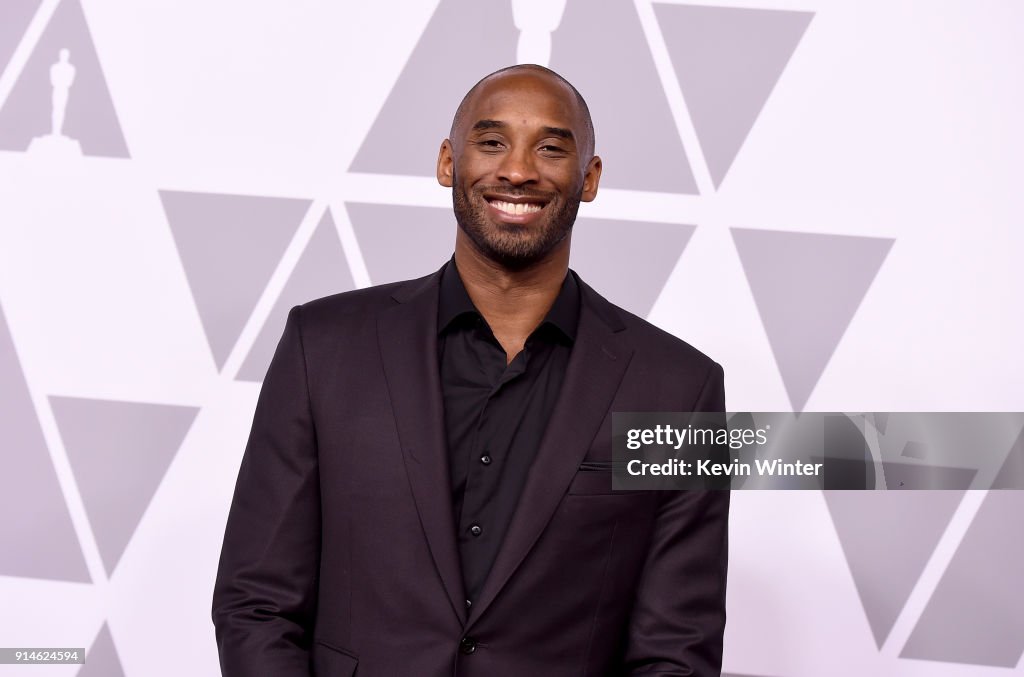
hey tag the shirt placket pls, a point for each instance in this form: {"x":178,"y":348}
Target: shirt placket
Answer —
{"x":488,"y":458}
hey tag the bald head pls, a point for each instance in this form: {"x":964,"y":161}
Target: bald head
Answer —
{"x":519,"y":160}
{"x":485,"y":84}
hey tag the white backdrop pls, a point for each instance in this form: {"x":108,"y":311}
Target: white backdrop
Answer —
{"x":823,"y":195}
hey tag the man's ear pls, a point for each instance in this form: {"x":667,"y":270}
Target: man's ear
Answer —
{"x":445,"y":164}
{"x":591,"y":177}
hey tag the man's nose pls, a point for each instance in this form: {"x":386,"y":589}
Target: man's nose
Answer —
{"x":518,"y":166}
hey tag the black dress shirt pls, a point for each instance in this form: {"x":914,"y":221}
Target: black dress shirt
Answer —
{"x":495,"y":413}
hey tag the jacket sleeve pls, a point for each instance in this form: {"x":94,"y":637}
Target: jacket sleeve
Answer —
{"x":264,"y":598}
{"x":678,"y":617}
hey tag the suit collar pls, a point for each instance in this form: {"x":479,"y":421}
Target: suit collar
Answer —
{"x":597,"y":363}
{"x":407,"y":334}
{"x":409,"y":290}
{"x":408,"y":344}
{"x":607,"y":313}
{"x":454,"y":302}
{"x":604,"y":311}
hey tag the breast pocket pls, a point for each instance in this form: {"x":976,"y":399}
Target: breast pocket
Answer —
{"x":595,"y":478}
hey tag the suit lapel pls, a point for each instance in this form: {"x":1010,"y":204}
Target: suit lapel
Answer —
{"x":596,"y":365}
{"x":407,"y":334}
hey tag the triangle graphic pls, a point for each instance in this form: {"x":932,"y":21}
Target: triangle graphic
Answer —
{"x":246,"y":235}
{"x":888,"y":538}
{"x":912,"y":476}
{"x":728,"y":60}
{"x":399,"y":242}
{"x":433,"y":82}
{"x":101,"y":660}
{"x":17,"y":15}
{"x":398,"y":143}
{"x":623,"y":90}
{"x":38,"y":536}
{"x":807,"y":288}
{"x":322,"y":270}
{"x":976,"y":613}
{"x":119,"y":452}
{"x":90,"y":118}
{"x":629,"y":271}
{"x":1011,"y":473}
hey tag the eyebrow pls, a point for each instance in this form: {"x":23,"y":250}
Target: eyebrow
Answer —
{"x":488,"y":124}
{"x":560,"y":132}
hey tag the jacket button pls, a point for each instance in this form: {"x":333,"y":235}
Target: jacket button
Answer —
{"x":485,"y":459}
{"x":476,"y":530}
{"x":467,"y":645}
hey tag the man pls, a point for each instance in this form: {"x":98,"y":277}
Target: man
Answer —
{"x":427,"y":485}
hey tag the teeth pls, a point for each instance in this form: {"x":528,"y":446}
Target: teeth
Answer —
{"x":516,"y":208}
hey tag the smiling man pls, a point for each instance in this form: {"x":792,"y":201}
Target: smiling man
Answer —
{"x":426,"y":489}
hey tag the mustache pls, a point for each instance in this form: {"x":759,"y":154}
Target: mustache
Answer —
{"x":514,"y":192}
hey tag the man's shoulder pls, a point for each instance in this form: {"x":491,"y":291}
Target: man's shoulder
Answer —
{"x":649,"y":340}
{"x":355,"y":300}
{"x":361,"y":303}
{"x":659,"y":344}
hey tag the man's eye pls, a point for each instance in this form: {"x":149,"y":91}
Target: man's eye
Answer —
{"x":490,"y":143}
{"x":552,"y":149}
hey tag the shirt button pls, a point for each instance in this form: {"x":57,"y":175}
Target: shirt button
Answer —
{"x":485,"y":459}
{"x":476,"y":530}
{"x":467,"y":645}
{"x":469,"y":603}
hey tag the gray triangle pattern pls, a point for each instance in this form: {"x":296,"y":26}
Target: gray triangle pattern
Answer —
{"x":322,"y":270}
{"x":976,"y":613}
{"x":248,"y":232}
{"x":888,"y":538}
{"x":907,"y":476}
{"x":119,"y":452}
{"x":101,"y":659}
{"x":90,"y":116}
{"x":399,"y":242}
{"x":728,"y":60}
{"x":17,"y":15}
{"x":623,"y":90}
{"x":807,"y":287}
{"x":403,"y":142}
{"x":629,"y":262}
{"x":1011,"y":474}
{"x":39,"y":540}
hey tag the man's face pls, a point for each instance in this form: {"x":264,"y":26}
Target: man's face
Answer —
{"x":518,"y":167}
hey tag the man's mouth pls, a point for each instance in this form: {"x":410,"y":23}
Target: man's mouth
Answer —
{"x":516,"y":208}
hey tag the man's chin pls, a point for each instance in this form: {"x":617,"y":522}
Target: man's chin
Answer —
{"x":513,"y":246}
{"x":512,"y":255}
{"x":518,"y":254}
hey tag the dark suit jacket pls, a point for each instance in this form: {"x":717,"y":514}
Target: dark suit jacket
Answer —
{"x":340,"y":558}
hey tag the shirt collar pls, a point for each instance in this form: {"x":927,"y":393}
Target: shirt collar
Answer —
{"x":454,"y":302}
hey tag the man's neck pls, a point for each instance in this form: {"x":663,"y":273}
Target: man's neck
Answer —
{"x":514,"y":302}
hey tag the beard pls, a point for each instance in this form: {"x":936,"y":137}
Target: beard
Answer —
{"x":514,"y":246}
